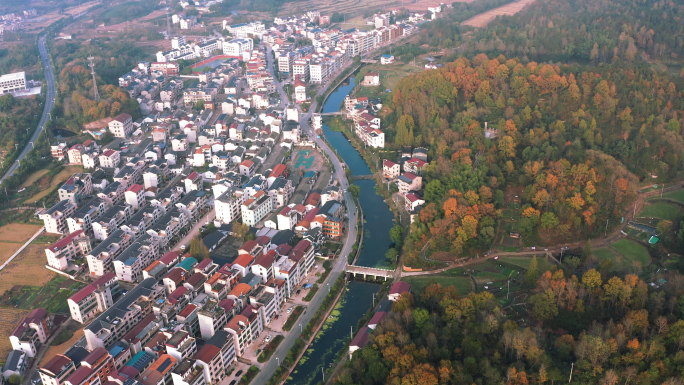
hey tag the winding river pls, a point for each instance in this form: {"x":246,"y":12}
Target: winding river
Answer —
{"x":359,"y":296}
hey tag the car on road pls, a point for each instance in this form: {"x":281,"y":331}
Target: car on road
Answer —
{"x":239,"y":373}
{"x":233,"y":382}
{"x":268,"y":338}
{"x":299,"y":291}
{"x":289,"y":310}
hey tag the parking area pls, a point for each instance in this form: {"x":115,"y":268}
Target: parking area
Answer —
{"x":240,"y":368}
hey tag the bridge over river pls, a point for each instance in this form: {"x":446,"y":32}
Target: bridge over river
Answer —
{"x":369,"y":271}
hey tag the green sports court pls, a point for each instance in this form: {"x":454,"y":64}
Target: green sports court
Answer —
{"x":304,"y":159}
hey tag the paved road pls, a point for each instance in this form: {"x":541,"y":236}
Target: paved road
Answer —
{"x":49,"y":103}
{"x":338,"y":268}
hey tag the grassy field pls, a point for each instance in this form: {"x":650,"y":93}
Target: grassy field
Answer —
{"x":17,"y":232}
{"x":52,"y":351}
{"x":390,"y":75}
{"x":33,"y":178}
{"x":55,"y":182}
{"x":9,"y":318}
{"x":675,"y":196}
{"x":625,"y":254}
{"x":661,"y":210}
{"x":418,"y":283}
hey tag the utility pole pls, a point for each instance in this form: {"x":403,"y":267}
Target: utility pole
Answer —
{"x":661,"y":190}
{"x":351,"y":328}
{"x":92,"y":71}
{"x":509,"y":288}
{"x":606,"y":231}
{"x":323,"y":372}
{"x":571,"y":368}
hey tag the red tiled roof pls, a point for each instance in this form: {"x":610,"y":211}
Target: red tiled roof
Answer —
{"x":361,"y":338}
{"x":285,"y":211}
{"x":192,"y":175}
{"x":65,"y":241}
{"x":377,"y":317}
{"x":247,"y":163}
{"x":80,"y":375}
{"x":187,"y":310}
{"x":169,"y":257}
{"x":86,"y":291}
{"x":400,"y":287}
{"x":249,"y":245}
{"x":122,"y":117}
{"x":56,"y":364}
{"x":388,"y":163}
{"x":207,"y":353}
{"x":266,"y":260}
{"x":278,"y":170}
{"x":244,"y":260}
{"x":136,"y":188}
{"x":410,"y":175}
{"x":109,"y":153}
{"x":313,"y":199}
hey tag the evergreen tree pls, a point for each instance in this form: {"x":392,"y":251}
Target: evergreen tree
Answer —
{"x":586,"y":253}
{"x":532,"y":274}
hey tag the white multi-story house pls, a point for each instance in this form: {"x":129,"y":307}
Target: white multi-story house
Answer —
{"x":256,"y":208}
{"x":110,"y":159}
{"x":97,"y":297}
{"x":55,"y":218}
{"x":121,"y":126}
{"x":60,"y":253}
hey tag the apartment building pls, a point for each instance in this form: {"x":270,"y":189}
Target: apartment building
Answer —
{"x":111,"y":220}
{"x":121,"y":126}
{"x":100,"y":259}
{"x":116,"y":321}
{"x":409,"y":181}
{"x":55,"y":218}
{"x":62,"y":252}
{"x":141,"y":253}
{"x":228,"y":206}
{"x":110,"y":158}
{"x":212,"y":318}
{"x":31,"y":332}
{"x":55,"y":371}
{"x":83,"y":217}
{"x":135,"y":196}
{"x":76,"y":188}
{"x":97,"y":297}
{"x":256,"y":208}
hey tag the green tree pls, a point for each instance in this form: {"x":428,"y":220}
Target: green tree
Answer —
{"x":549,"y":220}
{"x":532,"y":274}
{"x":421,"y":317}
{"x":544,"y":305}
{"x":397,"y":235}
{"x":6,"y":102}
{"x":198,"y":249}
{"x":392,"y":254}
{"x":354,"y":190}
{"x":15,"y":379}
{"x":405,"y":126}
{"x":199,"y":106}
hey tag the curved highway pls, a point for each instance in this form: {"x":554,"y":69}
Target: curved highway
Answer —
{"x":49,"y":103}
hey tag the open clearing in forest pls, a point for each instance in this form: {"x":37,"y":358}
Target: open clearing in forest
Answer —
{"x":661,"y":210}
{"x":626,"y":255}
{"x":418,"y":283}
{"x":483,"y":19}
